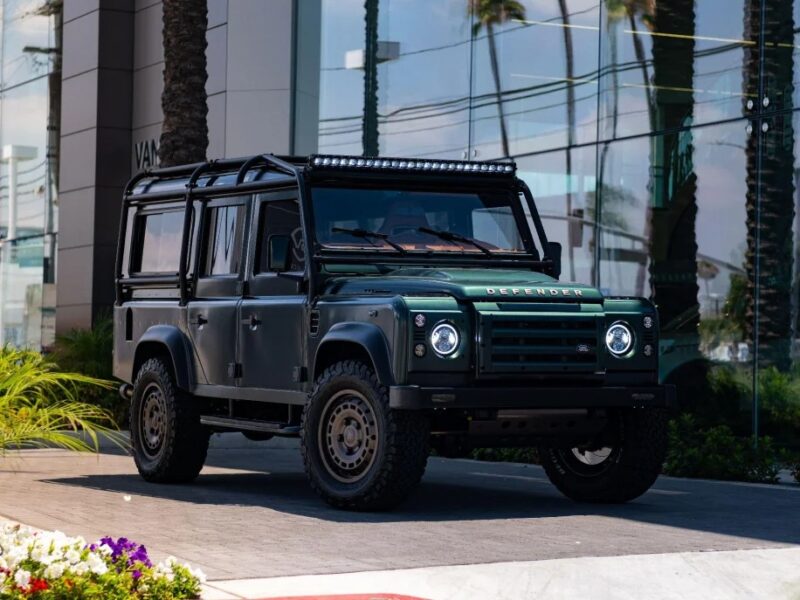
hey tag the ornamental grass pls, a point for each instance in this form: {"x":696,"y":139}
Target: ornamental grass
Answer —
{"x":43,"y":407}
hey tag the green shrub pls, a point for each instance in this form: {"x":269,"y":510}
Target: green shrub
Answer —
{"x":517,"y":455}
{"x":796,"y":471}
{"x":40,"y":405}
{"x":90,"y":352}
{"x":716,"y":453}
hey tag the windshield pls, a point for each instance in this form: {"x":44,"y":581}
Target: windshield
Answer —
{"x":410,"y":220}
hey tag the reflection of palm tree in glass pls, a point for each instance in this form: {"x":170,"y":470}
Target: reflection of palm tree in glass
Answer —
{"x":571,"y":135}
{"x":768,"y":260}
{"x":488,"y":14}
{"x":369,"y":132}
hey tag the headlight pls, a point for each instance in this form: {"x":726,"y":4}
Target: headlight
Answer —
{"x":619,"y":339}
{"x":444,"y":339}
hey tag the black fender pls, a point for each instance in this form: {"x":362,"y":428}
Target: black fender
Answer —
{"x":370,"y":337}
{"x":171,"y":339}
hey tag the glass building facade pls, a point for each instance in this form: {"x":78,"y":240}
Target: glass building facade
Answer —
{"x":657,"y":137}
{"x":30,"y":87}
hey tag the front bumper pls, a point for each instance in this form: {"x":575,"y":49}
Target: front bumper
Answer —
{"x":412,"y":397}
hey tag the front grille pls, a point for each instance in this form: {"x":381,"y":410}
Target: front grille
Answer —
{"x":538,"y":343}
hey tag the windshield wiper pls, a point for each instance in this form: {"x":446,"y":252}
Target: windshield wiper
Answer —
{"x":450,"y":236}
{"x":366,"y":235}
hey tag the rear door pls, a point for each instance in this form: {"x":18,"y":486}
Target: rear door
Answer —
{"x":272,"y":331}
{"x":213,"y":310}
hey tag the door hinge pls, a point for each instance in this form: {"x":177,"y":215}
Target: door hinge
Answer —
{"x":299,"y":374}
{"x":235,"y":370}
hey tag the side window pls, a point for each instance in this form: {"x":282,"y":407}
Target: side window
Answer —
{"x":158,"y":237}
{"x":280,"y":217}
{"x":223,"y":236}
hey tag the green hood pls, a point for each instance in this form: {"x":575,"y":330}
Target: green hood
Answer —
{"x":466,"y":284}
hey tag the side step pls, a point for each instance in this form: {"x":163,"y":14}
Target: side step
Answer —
{"x":250,"y":425}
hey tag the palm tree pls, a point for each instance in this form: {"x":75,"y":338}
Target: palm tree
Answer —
{"x":184,"y":132}
{"x":489,"y":14}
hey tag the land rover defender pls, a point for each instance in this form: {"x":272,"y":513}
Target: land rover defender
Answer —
{"x":376,"y":308}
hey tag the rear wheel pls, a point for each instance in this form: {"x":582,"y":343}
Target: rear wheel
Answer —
{"x":360,"y":454}
{"x":169,"y":443}
{"x":620,"y":468}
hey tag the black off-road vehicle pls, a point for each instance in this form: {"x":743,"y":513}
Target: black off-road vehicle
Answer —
{"x":375,"y":308}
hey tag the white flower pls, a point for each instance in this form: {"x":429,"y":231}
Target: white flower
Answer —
{"x":96,"y":564}
{"x":72,"y":556}
{"x":81,"y":568}
{"x":55,"y":570}
{"x":105,"y":549}
{"x":22,"y":578}
{"x":197,"y":573}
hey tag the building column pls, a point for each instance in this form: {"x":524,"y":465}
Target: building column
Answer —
{"x":95,"y":154}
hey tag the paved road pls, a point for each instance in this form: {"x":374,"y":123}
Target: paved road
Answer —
{"x":252,"y":514}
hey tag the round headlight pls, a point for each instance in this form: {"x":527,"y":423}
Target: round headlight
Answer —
{"x":444,"y":339}
{"x":619,"y":339}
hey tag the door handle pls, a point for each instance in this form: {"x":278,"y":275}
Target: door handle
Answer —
{"x":252,"y":320}
{"x":201,"y":320}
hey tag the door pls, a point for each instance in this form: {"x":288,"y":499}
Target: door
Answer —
{"x":272,"y":323}
{"x":213,"y":310}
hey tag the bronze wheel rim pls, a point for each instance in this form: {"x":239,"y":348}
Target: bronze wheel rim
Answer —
{"x":348,"y":436}
{"x":153,"y":421}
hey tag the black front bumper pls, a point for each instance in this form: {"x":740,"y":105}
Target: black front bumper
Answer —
{"x":412,"y":397}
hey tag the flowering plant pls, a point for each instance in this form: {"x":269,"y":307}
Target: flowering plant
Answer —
{"x":50,"y":565}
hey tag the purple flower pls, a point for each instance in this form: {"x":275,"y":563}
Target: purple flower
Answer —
{"x":137,"y":575}
{"x":125,"y":553}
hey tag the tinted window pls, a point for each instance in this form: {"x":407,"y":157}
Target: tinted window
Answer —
{"x":405,"y":217}
{"x":160,"y":242}
{"x":225,"y":226}
{"x":280,"y":217}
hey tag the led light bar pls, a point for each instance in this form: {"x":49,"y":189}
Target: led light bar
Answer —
{"x":360,"y":163}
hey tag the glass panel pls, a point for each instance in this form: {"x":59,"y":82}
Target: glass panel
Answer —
{"x":672,"y":63}
{"x":280,"y":217}
{"x":160,"y":244}
{"x":677,"y":232}
{"x":224,"y":239}
{"x":21,"y":291}
{"x":341,"y":102}
{"x":564,"y":186}
{"x":774,"y":239}
{"x":534,"y":75}
{"x":393,"y":83}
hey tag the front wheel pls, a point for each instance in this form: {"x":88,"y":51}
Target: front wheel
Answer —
{"x":358,"y":453}
{"x":619,"y":469}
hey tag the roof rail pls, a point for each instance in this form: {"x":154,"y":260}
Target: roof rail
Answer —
{"x":269,"y":160}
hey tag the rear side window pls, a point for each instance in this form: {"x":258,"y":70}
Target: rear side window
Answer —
{"x":224,"y":240}
{"x":159,"y":236}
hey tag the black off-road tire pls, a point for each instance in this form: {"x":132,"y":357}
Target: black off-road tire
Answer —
{"x":402,"y":447}
{"x":636,"y":459}
{"x":181,"y":453}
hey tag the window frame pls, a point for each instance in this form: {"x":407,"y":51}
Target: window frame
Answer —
{"x":134,"y":258}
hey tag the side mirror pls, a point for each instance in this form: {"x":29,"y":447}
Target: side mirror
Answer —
{"x":280,"y":253}
{"x":554,"y":253}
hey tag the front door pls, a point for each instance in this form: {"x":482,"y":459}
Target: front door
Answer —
{"x":212,"y":312}
{"x":272,"y":330}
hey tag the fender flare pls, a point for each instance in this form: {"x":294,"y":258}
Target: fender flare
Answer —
{"x":370,"y":337}
{"x":174,"y":341}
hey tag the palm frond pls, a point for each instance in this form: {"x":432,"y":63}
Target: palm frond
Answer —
{"x":41,"y":406}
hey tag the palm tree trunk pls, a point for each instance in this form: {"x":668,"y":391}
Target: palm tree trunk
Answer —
{"x":498,"y":88}
{"x":370,"y":132}
{"x":569,"y":53}
{"x":184,"y":132}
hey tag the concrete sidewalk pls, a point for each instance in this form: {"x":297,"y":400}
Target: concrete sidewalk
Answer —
{"x":252,"y":515}
{"x":736,"y":575}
